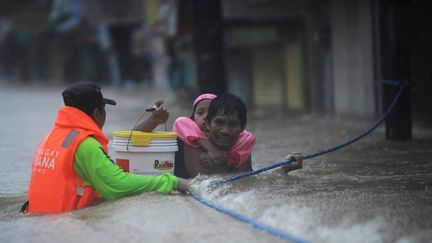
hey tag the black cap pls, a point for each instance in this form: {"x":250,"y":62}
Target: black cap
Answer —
{"x":85,"y":96}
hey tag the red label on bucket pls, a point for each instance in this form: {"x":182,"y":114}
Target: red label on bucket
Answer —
{"x":123,"y":163}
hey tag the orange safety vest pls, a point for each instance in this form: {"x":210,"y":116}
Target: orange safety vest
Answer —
{"x":54,"y":184}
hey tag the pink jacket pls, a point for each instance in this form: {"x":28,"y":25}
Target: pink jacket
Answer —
{"x":188,"y":131}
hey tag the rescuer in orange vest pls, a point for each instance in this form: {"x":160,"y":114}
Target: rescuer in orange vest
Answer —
{"x":71,"y":168}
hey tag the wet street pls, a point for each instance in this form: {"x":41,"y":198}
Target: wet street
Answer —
{"x":372,"y":191}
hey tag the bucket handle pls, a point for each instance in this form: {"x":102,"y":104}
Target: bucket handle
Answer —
{"x":151,"y":109}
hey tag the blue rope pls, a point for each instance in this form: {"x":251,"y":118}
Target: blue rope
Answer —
{"x":250,"y":221}
{"x":269,"y":229}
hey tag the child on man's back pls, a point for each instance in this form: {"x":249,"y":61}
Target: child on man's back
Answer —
{"x":192,"y":131}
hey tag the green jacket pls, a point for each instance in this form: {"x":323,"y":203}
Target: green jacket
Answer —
{"x":98,"y":171}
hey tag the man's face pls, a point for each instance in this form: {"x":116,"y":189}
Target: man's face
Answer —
{"x":99,"y":116}
{"x":224,"y":130}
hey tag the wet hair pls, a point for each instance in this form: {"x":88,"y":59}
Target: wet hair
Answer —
{"x":228,"y":104}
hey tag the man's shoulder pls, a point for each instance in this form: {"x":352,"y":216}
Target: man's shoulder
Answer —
{"x":89,"y":143}
{"x":180,"y":167}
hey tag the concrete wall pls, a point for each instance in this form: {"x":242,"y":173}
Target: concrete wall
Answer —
{"x":353,"y":64}
{"x":267,"y":77}
{"x":294,"y":71}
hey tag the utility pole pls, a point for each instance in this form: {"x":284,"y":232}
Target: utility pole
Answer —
{"x":208,"y":41}
{"x":395,"y":49}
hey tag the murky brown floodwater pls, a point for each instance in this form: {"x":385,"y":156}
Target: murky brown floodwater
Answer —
{"x":372,"y":191}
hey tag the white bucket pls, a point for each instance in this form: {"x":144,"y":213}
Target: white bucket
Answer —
{"x":145,"y":153}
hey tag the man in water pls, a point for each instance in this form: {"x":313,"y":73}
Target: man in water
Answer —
{"x":71,"y":168}
{"x":226,"y":119}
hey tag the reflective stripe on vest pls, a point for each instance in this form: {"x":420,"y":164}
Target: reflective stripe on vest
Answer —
{"x":69,"y":138}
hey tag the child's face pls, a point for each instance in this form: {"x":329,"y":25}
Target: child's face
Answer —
{"x":200,"y":114}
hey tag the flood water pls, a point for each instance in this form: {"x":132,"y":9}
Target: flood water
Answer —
{"x":372,"y":191}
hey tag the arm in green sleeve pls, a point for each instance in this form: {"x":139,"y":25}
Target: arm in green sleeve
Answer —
{"x":98,"y":171}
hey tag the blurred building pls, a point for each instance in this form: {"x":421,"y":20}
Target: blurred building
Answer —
{"x":23,"y":52}
{"x":323,"y":56}
{"x":113,"y":42}
{"x":328,"y":57}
